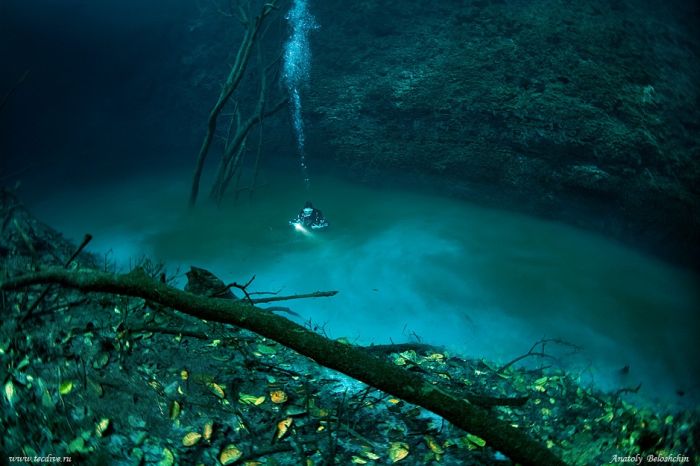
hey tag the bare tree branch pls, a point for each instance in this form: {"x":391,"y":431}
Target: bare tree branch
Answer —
{"x":316,"y":294}
{"x":531,"y":352}
{"x":232,"y":82}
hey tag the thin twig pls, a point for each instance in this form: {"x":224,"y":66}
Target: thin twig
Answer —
{"x":628,"y":390}
{"x":86,"y":240}
{"x":243,"y":288}
{"x":531,"y":352}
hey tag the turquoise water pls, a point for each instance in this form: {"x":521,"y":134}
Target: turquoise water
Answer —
{"x":482,"y":282}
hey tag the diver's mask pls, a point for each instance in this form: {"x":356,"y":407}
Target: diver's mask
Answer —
{"x":308,"y":211}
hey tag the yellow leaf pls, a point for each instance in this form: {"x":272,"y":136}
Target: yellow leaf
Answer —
{"x":358,"y":460}
{"x":398,"y":451}
{"x":394,"y":400}
{"x":66,"y":387}
{"x":230,"y":454}
{"x":283,"y":427}
{"x":208,"y":430}
{"x":433,"y":445}
{"x":371,"y":455}
{"x":102,"y":427}
{"x":251,"y":399}
{"x":436,"y":357}
{"x":278,"y":396}
{"x":191,"y":438}
{"x":216,"y":389}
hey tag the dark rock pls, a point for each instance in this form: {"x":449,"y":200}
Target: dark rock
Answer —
{"x":203,"y":282}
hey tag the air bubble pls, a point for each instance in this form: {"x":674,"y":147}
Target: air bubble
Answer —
{"x":297,"y":63}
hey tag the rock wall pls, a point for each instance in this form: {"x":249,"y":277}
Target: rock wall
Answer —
{"x":585,"y":112}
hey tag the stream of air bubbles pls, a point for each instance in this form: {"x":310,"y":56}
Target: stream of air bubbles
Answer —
{"x":297,"y":61}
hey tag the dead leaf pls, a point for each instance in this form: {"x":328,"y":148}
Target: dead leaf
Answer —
{"x":64,"y":389}
{"x":398,"y":451}
{"x":216,"y":389}
{"x":102,"y":427}
{"x":478,"y":441}
{"x":191,"y":438}
{"x":230,"y":454}
{"x":433,"y":445}
{"x":283,"y":427}
{"x":251,"y":399}
{"x":278,"y":396}
{"x":174,"y":410}
{"x":208,"y":430}
{"x":168,"y":458}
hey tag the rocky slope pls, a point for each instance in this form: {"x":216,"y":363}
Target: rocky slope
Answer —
{"x":584,"y":112}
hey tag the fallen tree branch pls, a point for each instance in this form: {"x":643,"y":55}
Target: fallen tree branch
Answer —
{"x":401,"y":347}
{"x":354,"y":361}
{"x":315,"y":294}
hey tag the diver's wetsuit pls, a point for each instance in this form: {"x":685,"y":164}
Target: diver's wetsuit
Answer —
{"x":315,"y":220}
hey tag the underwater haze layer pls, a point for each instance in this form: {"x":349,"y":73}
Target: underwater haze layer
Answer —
{"x":483,"y":282}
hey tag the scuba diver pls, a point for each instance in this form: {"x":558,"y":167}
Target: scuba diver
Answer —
{"x":309,"y":217}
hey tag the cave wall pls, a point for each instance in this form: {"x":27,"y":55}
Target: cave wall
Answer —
{"x":581,"y":111}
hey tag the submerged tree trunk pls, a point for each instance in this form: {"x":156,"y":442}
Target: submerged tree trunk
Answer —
{"x":351,"y":360}
{"x":232,"y":82}
{"x":231,"y":161}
